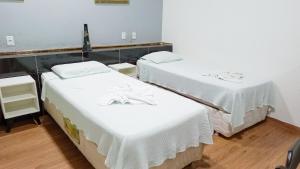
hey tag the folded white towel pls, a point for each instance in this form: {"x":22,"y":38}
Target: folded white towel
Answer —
{"x":227,"y":76}
{"x":127,"y":95}
{"x":113,"y":99}
{"x":231,"y":77}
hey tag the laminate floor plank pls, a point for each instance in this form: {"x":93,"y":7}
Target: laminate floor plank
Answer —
{"x":29,"y":146}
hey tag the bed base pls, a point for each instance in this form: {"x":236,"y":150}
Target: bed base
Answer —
{"x":89,"y":149}
{"x":220,"y":124}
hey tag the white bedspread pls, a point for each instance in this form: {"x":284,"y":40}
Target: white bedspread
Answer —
{"x":136,"y":136}
{"x":249,"y":93}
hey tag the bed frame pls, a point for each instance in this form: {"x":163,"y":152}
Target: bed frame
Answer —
{"x":89,"y":149}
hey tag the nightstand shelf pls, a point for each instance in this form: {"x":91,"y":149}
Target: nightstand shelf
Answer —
{"x":125,"y":68}
{"x":21,"y":112}
{"x":18,"y":97}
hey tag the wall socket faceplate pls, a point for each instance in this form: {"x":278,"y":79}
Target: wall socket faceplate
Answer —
{"x":10,"y":41}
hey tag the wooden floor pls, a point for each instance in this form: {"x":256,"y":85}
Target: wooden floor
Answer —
{"x":46,"y":147}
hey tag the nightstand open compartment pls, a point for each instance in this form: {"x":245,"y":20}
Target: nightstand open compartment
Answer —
{"x":21,"y":107}
{"x":128,"y":71}
{"x":125,"y":68}
{"x":18,"y":97}
{"x":17,"y":92}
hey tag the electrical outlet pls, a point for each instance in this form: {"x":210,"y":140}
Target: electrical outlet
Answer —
{"x":10,"y":41}
{"x":124,"y":35}
{"x":133,"y":35}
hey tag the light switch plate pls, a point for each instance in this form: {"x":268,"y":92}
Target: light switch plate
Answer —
{"x":124,"y":35}
{"x":10,"y":41}
{"x":133,"y":35}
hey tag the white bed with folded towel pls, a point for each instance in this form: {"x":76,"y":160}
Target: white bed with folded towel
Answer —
{"x":242,"y":98}
{"x":124,"y":123}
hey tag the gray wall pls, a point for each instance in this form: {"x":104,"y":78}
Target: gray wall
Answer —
{"x":44,"y":24}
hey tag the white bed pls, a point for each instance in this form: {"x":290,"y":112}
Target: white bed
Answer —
{"x":241,"y":103}
{"x":136,"y":136}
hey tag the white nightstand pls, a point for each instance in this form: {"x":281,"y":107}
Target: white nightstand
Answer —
{"x":125,"y":68}
{"x":18,"y":97}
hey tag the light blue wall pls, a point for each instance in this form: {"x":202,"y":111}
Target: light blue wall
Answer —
{"x":44,"y":24}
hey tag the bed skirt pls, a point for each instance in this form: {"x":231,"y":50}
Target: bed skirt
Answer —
{"x":89,"y":149}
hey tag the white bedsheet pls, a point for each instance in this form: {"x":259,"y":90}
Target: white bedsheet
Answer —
{"x":136,"y":136}
{"x":187,"y":78}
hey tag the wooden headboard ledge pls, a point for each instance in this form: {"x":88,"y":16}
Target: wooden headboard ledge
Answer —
{"x":77,"y":49}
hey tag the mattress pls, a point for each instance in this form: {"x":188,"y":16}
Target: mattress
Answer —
{"x":89,"y":149}
{"x":129,"y":136}
{"x":188,"y":78}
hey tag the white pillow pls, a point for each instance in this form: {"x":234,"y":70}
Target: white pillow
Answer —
{"x":162,"y":57}
{"x":79,"y":69}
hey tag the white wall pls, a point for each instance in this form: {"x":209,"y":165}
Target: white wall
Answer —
{"x":258,"y":35}
{"x":44,"y":24}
